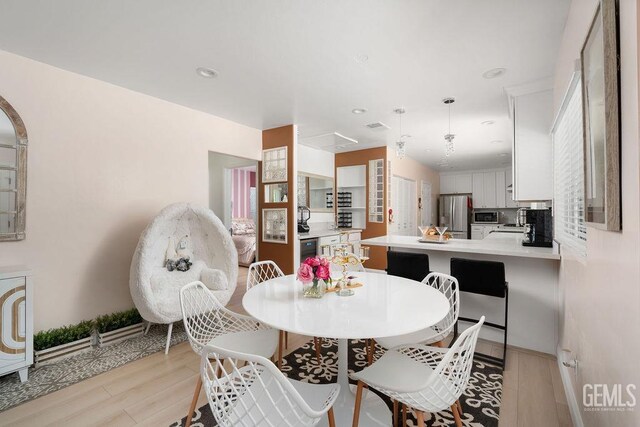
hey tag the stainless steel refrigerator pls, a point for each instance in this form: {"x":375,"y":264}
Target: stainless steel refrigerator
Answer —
{"x":454,"y":212}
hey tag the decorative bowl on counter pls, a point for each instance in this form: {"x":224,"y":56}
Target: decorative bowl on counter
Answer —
{"x":431,"y":235}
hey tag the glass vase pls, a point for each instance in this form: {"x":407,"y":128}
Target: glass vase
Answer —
{"x":315,"y":289}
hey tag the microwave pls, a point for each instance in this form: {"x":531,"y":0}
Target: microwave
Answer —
{"x":487,"y":217}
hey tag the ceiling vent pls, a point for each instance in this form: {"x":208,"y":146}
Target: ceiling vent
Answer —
{"x":377,"y":126}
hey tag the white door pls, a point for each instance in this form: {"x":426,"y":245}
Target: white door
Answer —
{"x":426,"y":211}
{"x":404,"y":205}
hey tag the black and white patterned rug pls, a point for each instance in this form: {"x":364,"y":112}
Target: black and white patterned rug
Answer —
{"x":480,"y":401}
{"x":49,"y":378}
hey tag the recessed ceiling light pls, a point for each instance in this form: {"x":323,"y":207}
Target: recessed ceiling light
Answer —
{"x":362,"y":58}
{"x":359,"y":110}
{"x":497,"y":141}
{"x":493,"y":73}
{"x":487,"y":122}
{"x":207,"y":73}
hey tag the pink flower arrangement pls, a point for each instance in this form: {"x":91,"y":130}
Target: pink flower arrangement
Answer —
{"x":314,"y":269}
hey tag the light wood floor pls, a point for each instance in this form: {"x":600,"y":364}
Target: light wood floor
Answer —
{"x":157,"y":390}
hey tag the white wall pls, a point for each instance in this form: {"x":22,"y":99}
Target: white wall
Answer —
{"x":317,"y":162}
{"x":600,"y":296}
{"x":103,"y":161}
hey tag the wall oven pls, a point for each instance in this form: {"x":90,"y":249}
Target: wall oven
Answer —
{"x":486,"y":217}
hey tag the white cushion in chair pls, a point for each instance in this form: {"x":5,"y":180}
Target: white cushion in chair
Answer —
{"x":424,"y":336}
{"x":395,"y":371}
{"x":214,"y":279}
{"x":262,"y":342}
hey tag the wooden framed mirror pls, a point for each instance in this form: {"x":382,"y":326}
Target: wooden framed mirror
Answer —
{"x":13,"y":173}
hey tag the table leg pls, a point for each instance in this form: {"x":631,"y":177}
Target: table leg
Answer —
{"x":373,"y":412}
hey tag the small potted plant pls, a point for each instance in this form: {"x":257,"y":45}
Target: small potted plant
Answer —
{"x":55,"y":344}
{"x":315,"y":274}
{"x":116,"y":327}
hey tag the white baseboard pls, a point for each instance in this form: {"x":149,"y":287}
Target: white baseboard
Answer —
{"x":572,"y":400}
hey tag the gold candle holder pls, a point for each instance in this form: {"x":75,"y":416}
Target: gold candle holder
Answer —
{"x":345,"y":259}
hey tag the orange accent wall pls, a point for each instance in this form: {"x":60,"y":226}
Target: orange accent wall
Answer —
{"x":378,"y":255}
{"x":281,"y":254}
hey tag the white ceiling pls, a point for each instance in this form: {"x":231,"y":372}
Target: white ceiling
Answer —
{"x":282,"y":62}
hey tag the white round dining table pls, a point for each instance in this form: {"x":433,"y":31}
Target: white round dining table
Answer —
{"x":384,"y":306}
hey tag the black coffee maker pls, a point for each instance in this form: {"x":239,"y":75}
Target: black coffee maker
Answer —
{"x":538,"y":228}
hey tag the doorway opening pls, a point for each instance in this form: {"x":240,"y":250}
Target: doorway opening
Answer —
{"x":233,"y":198}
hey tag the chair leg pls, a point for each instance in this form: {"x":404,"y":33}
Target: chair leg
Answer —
{"x":456,"y":415}
{"x":194,"y":401}
{"x":356,"y":409}
{"x":404,"y":415}
{"x":317,"y":343}
{"x":286,"y":340}
{"x":395,"y":413}
{"x":146,"y":330}
{"x":371,"y":349}
{"x":437,"y":344}
{"x":460,"y":407}
{"x":332,"y":419}
{"x":166,"y":348}
{"x":280,"y":344}
{"x":420,"y":417}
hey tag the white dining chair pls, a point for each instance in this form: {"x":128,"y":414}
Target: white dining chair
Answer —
{"x":262,"y":271}
{"x":433,"y":335}
{"x":250,"y":391}
{"x":427,"y":379}
{"x":206,"y":321}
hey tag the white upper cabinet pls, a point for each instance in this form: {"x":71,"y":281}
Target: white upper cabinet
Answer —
{"x":489,"y":190}
{"x":489,"y":184}
{"x":532,"y":151}
{"x":456,"y":183}
{"x":477,"y":196}
{"x":463,"y":183}
{"x":447,"y":184}
{"x":501,"y":187}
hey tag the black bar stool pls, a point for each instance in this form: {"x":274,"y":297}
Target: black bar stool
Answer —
{"x":483,"y":278}
{"x":414,"y":266}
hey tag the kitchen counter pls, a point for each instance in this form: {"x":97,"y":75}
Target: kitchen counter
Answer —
{"x":315,"y":234}
{"x":532,"y":274}
{"x":503,"y":244}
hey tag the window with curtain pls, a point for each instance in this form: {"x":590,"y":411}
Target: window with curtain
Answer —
{"x":568,"y":153}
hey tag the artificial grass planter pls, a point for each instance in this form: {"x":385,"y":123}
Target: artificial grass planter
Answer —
{"x":57,"y":343}
{"x":63,"y":335}
{"x":121,"y":319}
{"x":116,"y":327}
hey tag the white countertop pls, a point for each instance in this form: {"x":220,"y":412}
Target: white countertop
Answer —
{"x":502,"y":244}
{"x":314,"y":234}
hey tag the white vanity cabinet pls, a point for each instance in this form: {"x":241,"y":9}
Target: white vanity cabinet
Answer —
{"x":16,"y":321}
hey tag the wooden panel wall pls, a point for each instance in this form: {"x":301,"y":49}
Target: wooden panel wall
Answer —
{"x":281,"y":254}
{"x":373,"y":229}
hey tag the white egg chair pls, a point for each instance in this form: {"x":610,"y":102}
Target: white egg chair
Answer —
{"x":154,"y":289}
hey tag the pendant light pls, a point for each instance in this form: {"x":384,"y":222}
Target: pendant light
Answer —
{"x":400,"y":144}
{"x":448,"y":138}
